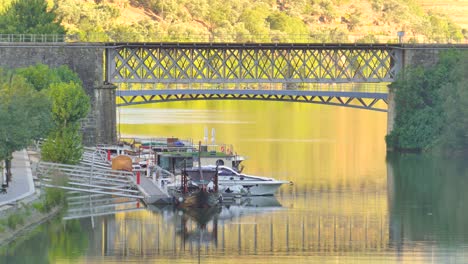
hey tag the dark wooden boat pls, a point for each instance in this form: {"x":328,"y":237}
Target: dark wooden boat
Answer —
{"x":205,"y":195}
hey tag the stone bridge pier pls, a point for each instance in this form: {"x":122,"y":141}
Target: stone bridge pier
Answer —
{"x":87,"y":60}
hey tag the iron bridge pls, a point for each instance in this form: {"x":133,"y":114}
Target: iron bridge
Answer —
{"x":252,"y":64}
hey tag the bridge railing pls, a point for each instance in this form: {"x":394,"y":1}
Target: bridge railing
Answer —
{"x":266,"y":38}
{"x":46,"y":38}
{"x":223,"y":38}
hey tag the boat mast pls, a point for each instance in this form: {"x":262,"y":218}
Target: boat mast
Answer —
{"x":199,"y":166}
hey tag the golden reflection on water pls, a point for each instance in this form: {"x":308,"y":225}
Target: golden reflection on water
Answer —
{"x":345,"y":206}
{"x":312,"y":145}
{"x":335,"y":157}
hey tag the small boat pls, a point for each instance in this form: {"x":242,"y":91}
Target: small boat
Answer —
{"x":203,"y":189}
{"x":231,"y":181}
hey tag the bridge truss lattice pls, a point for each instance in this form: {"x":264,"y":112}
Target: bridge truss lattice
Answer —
{"x":251,"y":63}
{"x":290,"y":65}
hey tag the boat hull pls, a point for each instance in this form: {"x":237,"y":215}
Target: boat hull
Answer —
{"x":253,"y":188}
{"x":198,"y":199}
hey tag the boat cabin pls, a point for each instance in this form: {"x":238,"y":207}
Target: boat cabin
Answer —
{"x":175,"y":162}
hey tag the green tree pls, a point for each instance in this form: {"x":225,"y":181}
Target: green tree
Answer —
{"x":254,"y":19}
{"x":29,"y":17}
{"x":63,"y":145}
{"x":291,"y":26}
{"x":69,"y":105}
{"x":24,"y":115}
{"x":40,"y":76}
{"x":454,"y":136}
{"x":426,"y":105}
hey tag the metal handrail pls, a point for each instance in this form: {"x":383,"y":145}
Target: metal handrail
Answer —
{"x":215,"y":38}
{"x":42,"y":38}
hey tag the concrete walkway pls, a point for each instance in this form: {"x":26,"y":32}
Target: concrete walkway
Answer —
{"x":22,"y":185}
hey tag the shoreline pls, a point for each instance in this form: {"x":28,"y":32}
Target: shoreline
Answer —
{"x":24,"y":204}
{"x":8,"y":236}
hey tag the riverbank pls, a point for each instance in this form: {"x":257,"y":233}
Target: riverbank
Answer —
{"x":34,"y":219}
{"x":24,"y":207}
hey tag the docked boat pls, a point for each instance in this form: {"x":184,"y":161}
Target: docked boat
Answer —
{"x":198,"y":189}
{"x":222,"y":155}
{"x":231,"y":181}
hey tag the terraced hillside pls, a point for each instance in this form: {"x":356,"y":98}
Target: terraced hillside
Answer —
{"x":262,"y":20}
{"x":456,"y":10}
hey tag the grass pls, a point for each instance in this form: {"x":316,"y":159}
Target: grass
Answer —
{"x":52,"y":198}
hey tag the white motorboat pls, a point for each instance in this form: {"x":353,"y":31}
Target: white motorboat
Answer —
{"x":231,"y":181}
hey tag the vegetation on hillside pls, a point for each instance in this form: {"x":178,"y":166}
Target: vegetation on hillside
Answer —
{"x":251,"y":20}
{"x":29,"y":17}
{"x":432,"y":106}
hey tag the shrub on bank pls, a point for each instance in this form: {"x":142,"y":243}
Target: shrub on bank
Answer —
{"x":15,"y":219}
{"x":39,"y":206}
{"x":52,"y":198}
{"x":431,"y":106}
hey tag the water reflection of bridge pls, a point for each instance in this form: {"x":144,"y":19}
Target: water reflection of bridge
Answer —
{"x":257,"y":229}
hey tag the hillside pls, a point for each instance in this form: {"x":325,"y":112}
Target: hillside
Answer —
{"x":457,"y":10}
{"x":259,"y":20}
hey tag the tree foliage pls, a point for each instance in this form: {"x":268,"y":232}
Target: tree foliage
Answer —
{"x":63,"y":145}
{"x":39,"y":102}
{"x":69,"y":103}
{"x":252,"y":20}
{"x":430,"y":109}
{"x":455,"y":133}
{"x":24,"y":114}
{"x":29,"y":17}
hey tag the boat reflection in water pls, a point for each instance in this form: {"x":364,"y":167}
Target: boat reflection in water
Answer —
{"x":201,"y":225}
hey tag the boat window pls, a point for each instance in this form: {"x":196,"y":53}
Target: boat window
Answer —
{"x":223,"y":172}
{"x":220,"y":162}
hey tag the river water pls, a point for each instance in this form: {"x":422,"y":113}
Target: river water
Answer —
{"x":350,"y":202}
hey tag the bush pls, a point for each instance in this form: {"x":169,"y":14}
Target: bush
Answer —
{"x":54,"y":197}
{"x":39,"y":206}
{"x":15,"y":219}
{"x":427,"y":103}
